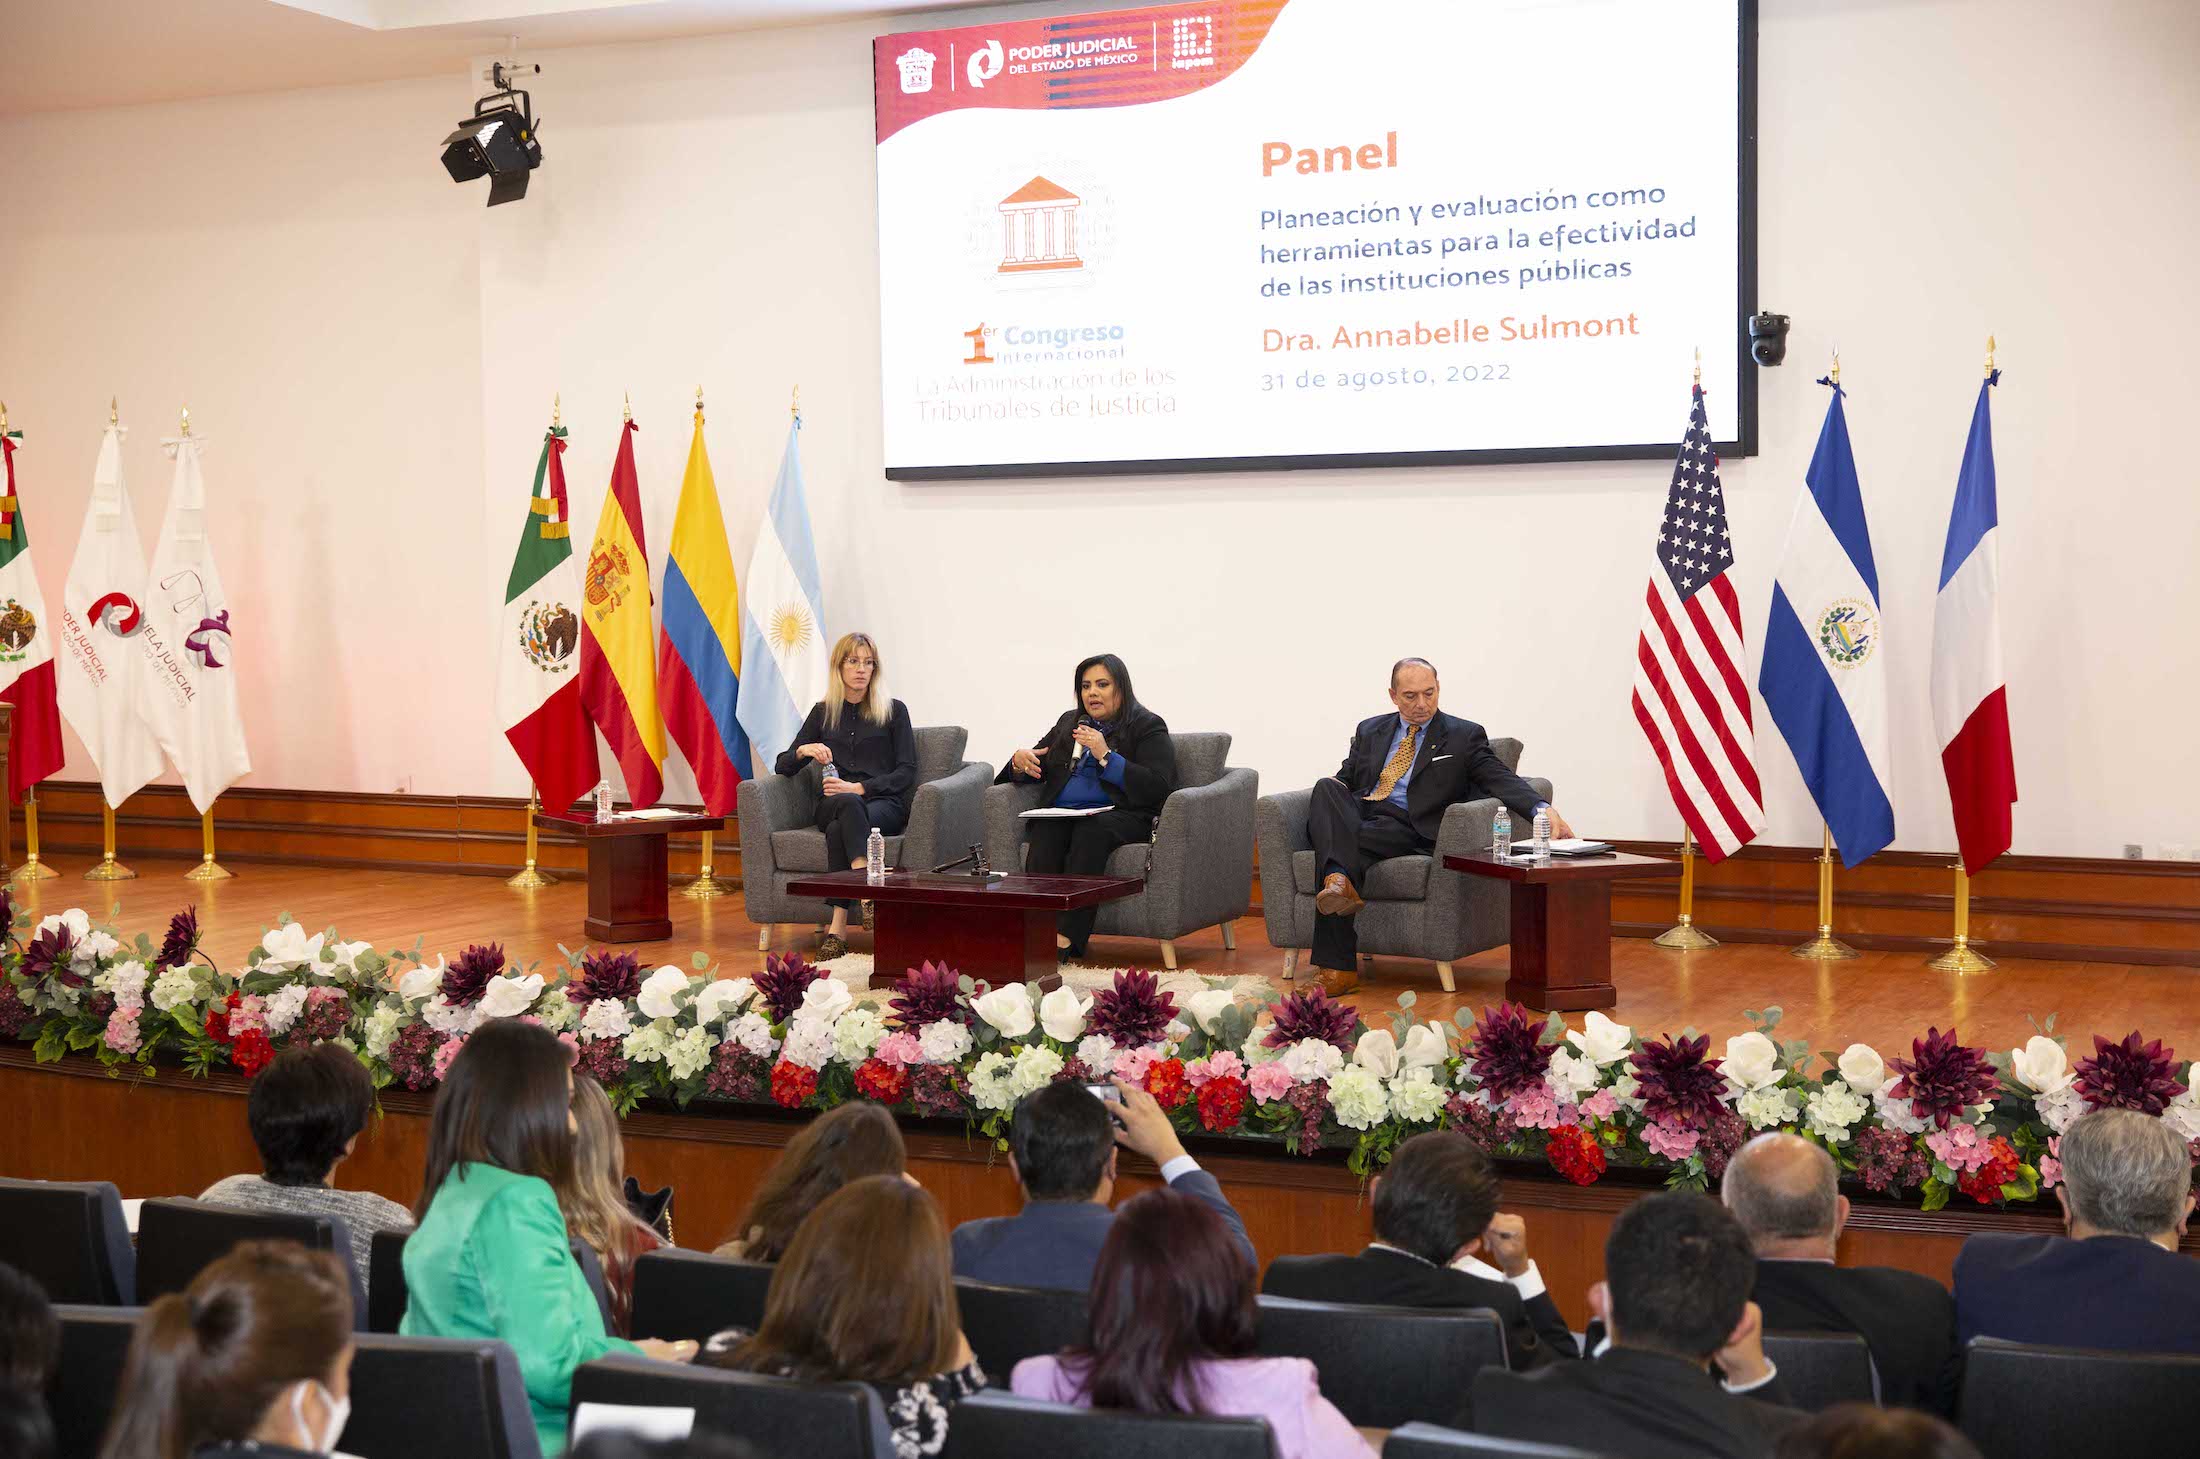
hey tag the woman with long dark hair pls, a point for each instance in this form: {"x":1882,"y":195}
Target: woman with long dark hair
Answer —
{"x":835,"y":1148}
{"x":491,"y":1257}
{"x":254,"y":1357}
{"x":1107,"y":754}
{"x":1171,"y":1330}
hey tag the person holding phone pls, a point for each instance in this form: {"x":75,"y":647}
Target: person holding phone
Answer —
{"x":1108,"y":754}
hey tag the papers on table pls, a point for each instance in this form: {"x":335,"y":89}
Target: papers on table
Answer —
{"x":654,"y":813}
{"x":1565,"y":846}
{"x":645,"y":1420}
{"x":130,"y":1209}
{"x":1062,"y":812}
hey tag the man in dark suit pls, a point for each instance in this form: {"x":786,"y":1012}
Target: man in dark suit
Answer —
{"x":1436,"y":1217}
{"x":1786,"y":1193}
{"x":1388,"y":799}
{"x":2117,"y":1280}
{"x":1062,"y":1149}
{"x":1685,"y":1374}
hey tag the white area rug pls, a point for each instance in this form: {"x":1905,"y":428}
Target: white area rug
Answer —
{"x":854,"y":970}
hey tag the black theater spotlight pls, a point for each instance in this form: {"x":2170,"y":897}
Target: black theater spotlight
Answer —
{"x":498,"y":140}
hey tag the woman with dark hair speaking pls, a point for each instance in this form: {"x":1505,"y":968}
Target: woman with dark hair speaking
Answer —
{"x":1107,"y":754}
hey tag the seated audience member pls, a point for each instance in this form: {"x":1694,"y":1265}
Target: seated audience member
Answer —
{"x":1171,"y":1330}
{"x":1785,"y":1192}
{"x":1107,"y":753}
{"x":491,"y":1258}
{"x":306,"y":1111}
{"x":839,"y":1146}
{"x":1062,"y":1150}
{"x":1436,"y":1216}
{"x":253,"y":1358}
{"x":1684,"y":1376}
{"x":30,"y":1334}
{"x":595,"y":1205}
{"x":1860,"y":1431}
{"x":864,"y":1295}
{"x":26,"y":1429}
{"x":2117,"y":1280}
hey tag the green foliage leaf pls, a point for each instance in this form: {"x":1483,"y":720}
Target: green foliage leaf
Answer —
{"x":699,"y":960}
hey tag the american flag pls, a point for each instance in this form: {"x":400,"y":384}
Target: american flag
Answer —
{"x":1690,"y":696}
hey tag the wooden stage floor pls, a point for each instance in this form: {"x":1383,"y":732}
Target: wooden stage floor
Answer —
{"x":1882,"y":999}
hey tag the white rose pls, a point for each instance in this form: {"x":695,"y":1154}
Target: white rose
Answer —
{"x":1600,"y":1040}
{"x":1751,"y":1061}
{"x":2041,"y":1065}
{"x":1097,"y":1053}
{"x":1377,"y":1052}
{"x":722,"y":998}
{"x":1207,"y":1006}
{"x":1359,"y":1098}
{"x":508,"y":997}
{"x":1008,"y":1010}
{"x":348,"y":953}
{"x":1861,"y":1067}
{"x":661,"y":993}
{"x":1310,"y":1060}
{"x":825,"y":1000}
{"x":75,"y":920}
{"x":421,"y":982}
{"x":287,"y":946}
{"x":1062,"y":1014}
{"x":944,"y":1042}
{"x":606,"y":1018}
{"x":283,"y":1007}
{"x":1424,"y":1047}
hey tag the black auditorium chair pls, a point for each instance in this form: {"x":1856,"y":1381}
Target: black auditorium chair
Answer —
{"x":991,"y":1425}
{"x":1006,"y":1325}
{"x":782,"y":1417}
{"x":178,"y":1238}
{"x":1385,"y":1366}
{"x":688,"y":1294}
{"x":2026,"y":1402}
{"x":1429,"y":1441}
{"x":385,"y":1296}
{"x":94,"y":1342}
{"x":1821,"y":1369}
{"x":438,"y":1398}
{"x":70,"y":1238}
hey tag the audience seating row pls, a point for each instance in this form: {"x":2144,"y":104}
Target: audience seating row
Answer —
{"x":384,"y":1304}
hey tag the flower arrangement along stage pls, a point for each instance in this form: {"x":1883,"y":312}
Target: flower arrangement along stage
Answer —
{"x":1304,"y":1071}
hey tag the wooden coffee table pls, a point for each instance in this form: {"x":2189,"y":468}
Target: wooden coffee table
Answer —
{"x":1562,"y":923}
{"x":999,"y":930}
{"x":627,"y":871}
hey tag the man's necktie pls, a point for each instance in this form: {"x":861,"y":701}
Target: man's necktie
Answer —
{"x":1400,"y":761}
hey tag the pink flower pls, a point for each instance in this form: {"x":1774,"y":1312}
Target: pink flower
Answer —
{"x":1534,"y":1107}
{"x":1960,"y":1147}
{"x":1224,"y":1065}
{"x":122,"y":1031}
{"x":1602,"y":1105}
{"x":445,"y":1054}
{"x":1131,"y":1065}
{"x":571,"y":1043}
{"x":249,"y":1013}
{"x":2051,"y":1164}
{"x":1269,"y":1081}
{"x":1673,"y":1143}
{"x":899,"y":1049}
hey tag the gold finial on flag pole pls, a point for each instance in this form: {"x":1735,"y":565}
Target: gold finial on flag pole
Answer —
{"x":794,"y":404}
{"x":114,"y":410}
{"x":698,"y":402}
{"x":1835,"y":373}
{"x":1989,"y":357}
{"x":557,"y":411}
{"x":186,"y":430}
{"x":3,"y":417}
{"x":1699,"y":367}
{"x":629,"y":406}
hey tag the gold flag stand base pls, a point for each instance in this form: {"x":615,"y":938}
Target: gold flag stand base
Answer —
{"x":208,"y":869}
{"x":1961,"y":957}
{"x":1684,"y":936}
{"x":107,"y":868}
{"x":32,"y":869}
{"x":706,"y":887}
{"x":530,"y":878}
{"x":1825,"y":947}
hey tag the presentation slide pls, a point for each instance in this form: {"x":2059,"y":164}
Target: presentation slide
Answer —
{"x":1263,"y":233}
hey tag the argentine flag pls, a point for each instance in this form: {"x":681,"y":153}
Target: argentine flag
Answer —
{"x":1824,"y":676}
{"x":783,"y":622}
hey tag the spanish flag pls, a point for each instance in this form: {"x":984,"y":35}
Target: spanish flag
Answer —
{"x":699,"y":652}
{"x":618,"y":675}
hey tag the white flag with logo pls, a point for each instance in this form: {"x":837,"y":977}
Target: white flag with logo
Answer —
{"x":102,"y":616}
{"x":187,"y":680}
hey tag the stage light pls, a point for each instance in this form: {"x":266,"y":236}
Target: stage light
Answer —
{"x":498,"y":141}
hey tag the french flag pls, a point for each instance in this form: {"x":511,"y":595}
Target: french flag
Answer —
{"x":1970,"y":697}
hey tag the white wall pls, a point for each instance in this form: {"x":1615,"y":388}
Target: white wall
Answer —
{"x":1929,"y":172}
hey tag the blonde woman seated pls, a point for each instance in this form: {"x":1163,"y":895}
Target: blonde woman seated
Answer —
{"x":594,"y":1200}
{"x":865,"y":741}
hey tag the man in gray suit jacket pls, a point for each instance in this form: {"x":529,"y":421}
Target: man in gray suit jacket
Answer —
{"x":1062,"y":1148}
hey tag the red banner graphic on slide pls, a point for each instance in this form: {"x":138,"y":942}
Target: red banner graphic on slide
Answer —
{"x":1119,"y":58}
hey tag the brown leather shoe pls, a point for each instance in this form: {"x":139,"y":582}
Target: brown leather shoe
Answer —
{"x":1337,"y":982}
{"x":1338,"y":897}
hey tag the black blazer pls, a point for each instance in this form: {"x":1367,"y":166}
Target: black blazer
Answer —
{"x":1631,"y":1404}
{"x":1907,"y":1320}
{"x":1140,"y":736}
{"x":883,"y":757}
{"x":1454,"y":762}
{"x":2114,"y":1292}
{"x":1535,"y":1333}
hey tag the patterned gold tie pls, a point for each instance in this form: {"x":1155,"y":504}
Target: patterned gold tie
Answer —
{"x":1400,"y":761}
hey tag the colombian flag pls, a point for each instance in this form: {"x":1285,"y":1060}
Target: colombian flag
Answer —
{"x":699,"y":652}
{"x":618,"y":681}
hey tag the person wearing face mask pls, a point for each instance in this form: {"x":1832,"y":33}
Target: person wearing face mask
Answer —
{"x":866,"y":739}
{"x":1107,"y":753}
{"x":254,"y":1357}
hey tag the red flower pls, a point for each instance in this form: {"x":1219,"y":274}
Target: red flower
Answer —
{"x":1221,"y":1102}
{"x":792,"y":1085}
{"x":1165,"y":1081}
{"x":879,"y":1080}
{"x":217,"y":1019}
{"x":251,"y":1052}
{"x":1575,"y":1154}
{"x":1984,"y":1184}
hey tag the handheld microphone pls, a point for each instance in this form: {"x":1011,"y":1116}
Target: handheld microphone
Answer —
{"x":1084,"y":721}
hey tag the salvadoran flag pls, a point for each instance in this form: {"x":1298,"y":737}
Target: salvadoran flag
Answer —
{"x":1824,"y":675}
{"x":783,"y":625}
{"x":1970,"y":699}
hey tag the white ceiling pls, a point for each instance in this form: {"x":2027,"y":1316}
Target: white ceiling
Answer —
{"x":62,"y":54}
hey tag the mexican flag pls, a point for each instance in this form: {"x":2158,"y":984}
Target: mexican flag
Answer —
{"x":538,"y":644}
{"x":26,"y":648}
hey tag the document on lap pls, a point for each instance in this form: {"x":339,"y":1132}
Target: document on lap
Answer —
{"x":1062,"y":812}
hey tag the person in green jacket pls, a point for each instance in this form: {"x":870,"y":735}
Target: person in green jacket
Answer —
{"x":491,"y":1258}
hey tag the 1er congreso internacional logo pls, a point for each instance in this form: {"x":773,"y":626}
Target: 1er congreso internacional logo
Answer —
{"x":1848,"y":631}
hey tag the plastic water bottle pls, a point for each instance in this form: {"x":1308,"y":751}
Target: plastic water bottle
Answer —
{"x":603,"y":800}
{"x":832,"y":771}
{"x":1542,"y":831}
{"x":1501,"y":835}
{"x":874,"y":857}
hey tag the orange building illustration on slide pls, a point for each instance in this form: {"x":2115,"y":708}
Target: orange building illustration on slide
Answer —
{"x":1039,"y":228}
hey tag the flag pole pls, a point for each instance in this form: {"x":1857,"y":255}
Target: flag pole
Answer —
{"x":32,"y":868}
{"x":1825,"y":947}
{"x":1961,"y":957}
{"x":705,"y":887}
{"x":528,"y":878}
{"x":208,"y":868}
{"x":107,"y":868}
{"x":1684,"y":935}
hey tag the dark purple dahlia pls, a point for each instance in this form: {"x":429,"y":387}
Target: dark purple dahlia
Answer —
{"x":467,"y":978}
{"x":1133,"y":1013}
{"x":1679,"y":1086}
{"x":929,"y":994}
{"x":783,"y":982}
{"x":182,"y":939}
{"x":1942,"y":1077}
{"x":50,"y":957}
{"x":2129,"y":1075}
{"x":1312,"y":1015}
{"x":1507,"y":1052}
{"x":604,"y":975}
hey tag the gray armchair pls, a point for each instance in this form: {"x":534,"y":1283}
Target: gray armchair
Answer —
{"x":1414,"y":908}
{"x":779,"y":843}
{"x":1202,"y":848}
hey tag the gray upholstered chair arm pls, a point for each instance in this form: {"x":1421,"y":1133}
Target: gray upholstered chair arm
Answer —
{"x":1004,"y":830}
{"x":768,"y":803}
{"x":1465,"y":831}
{"x":1279,"y":823}
{"x":946,"y":816}
{"x":1202,"y":869}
